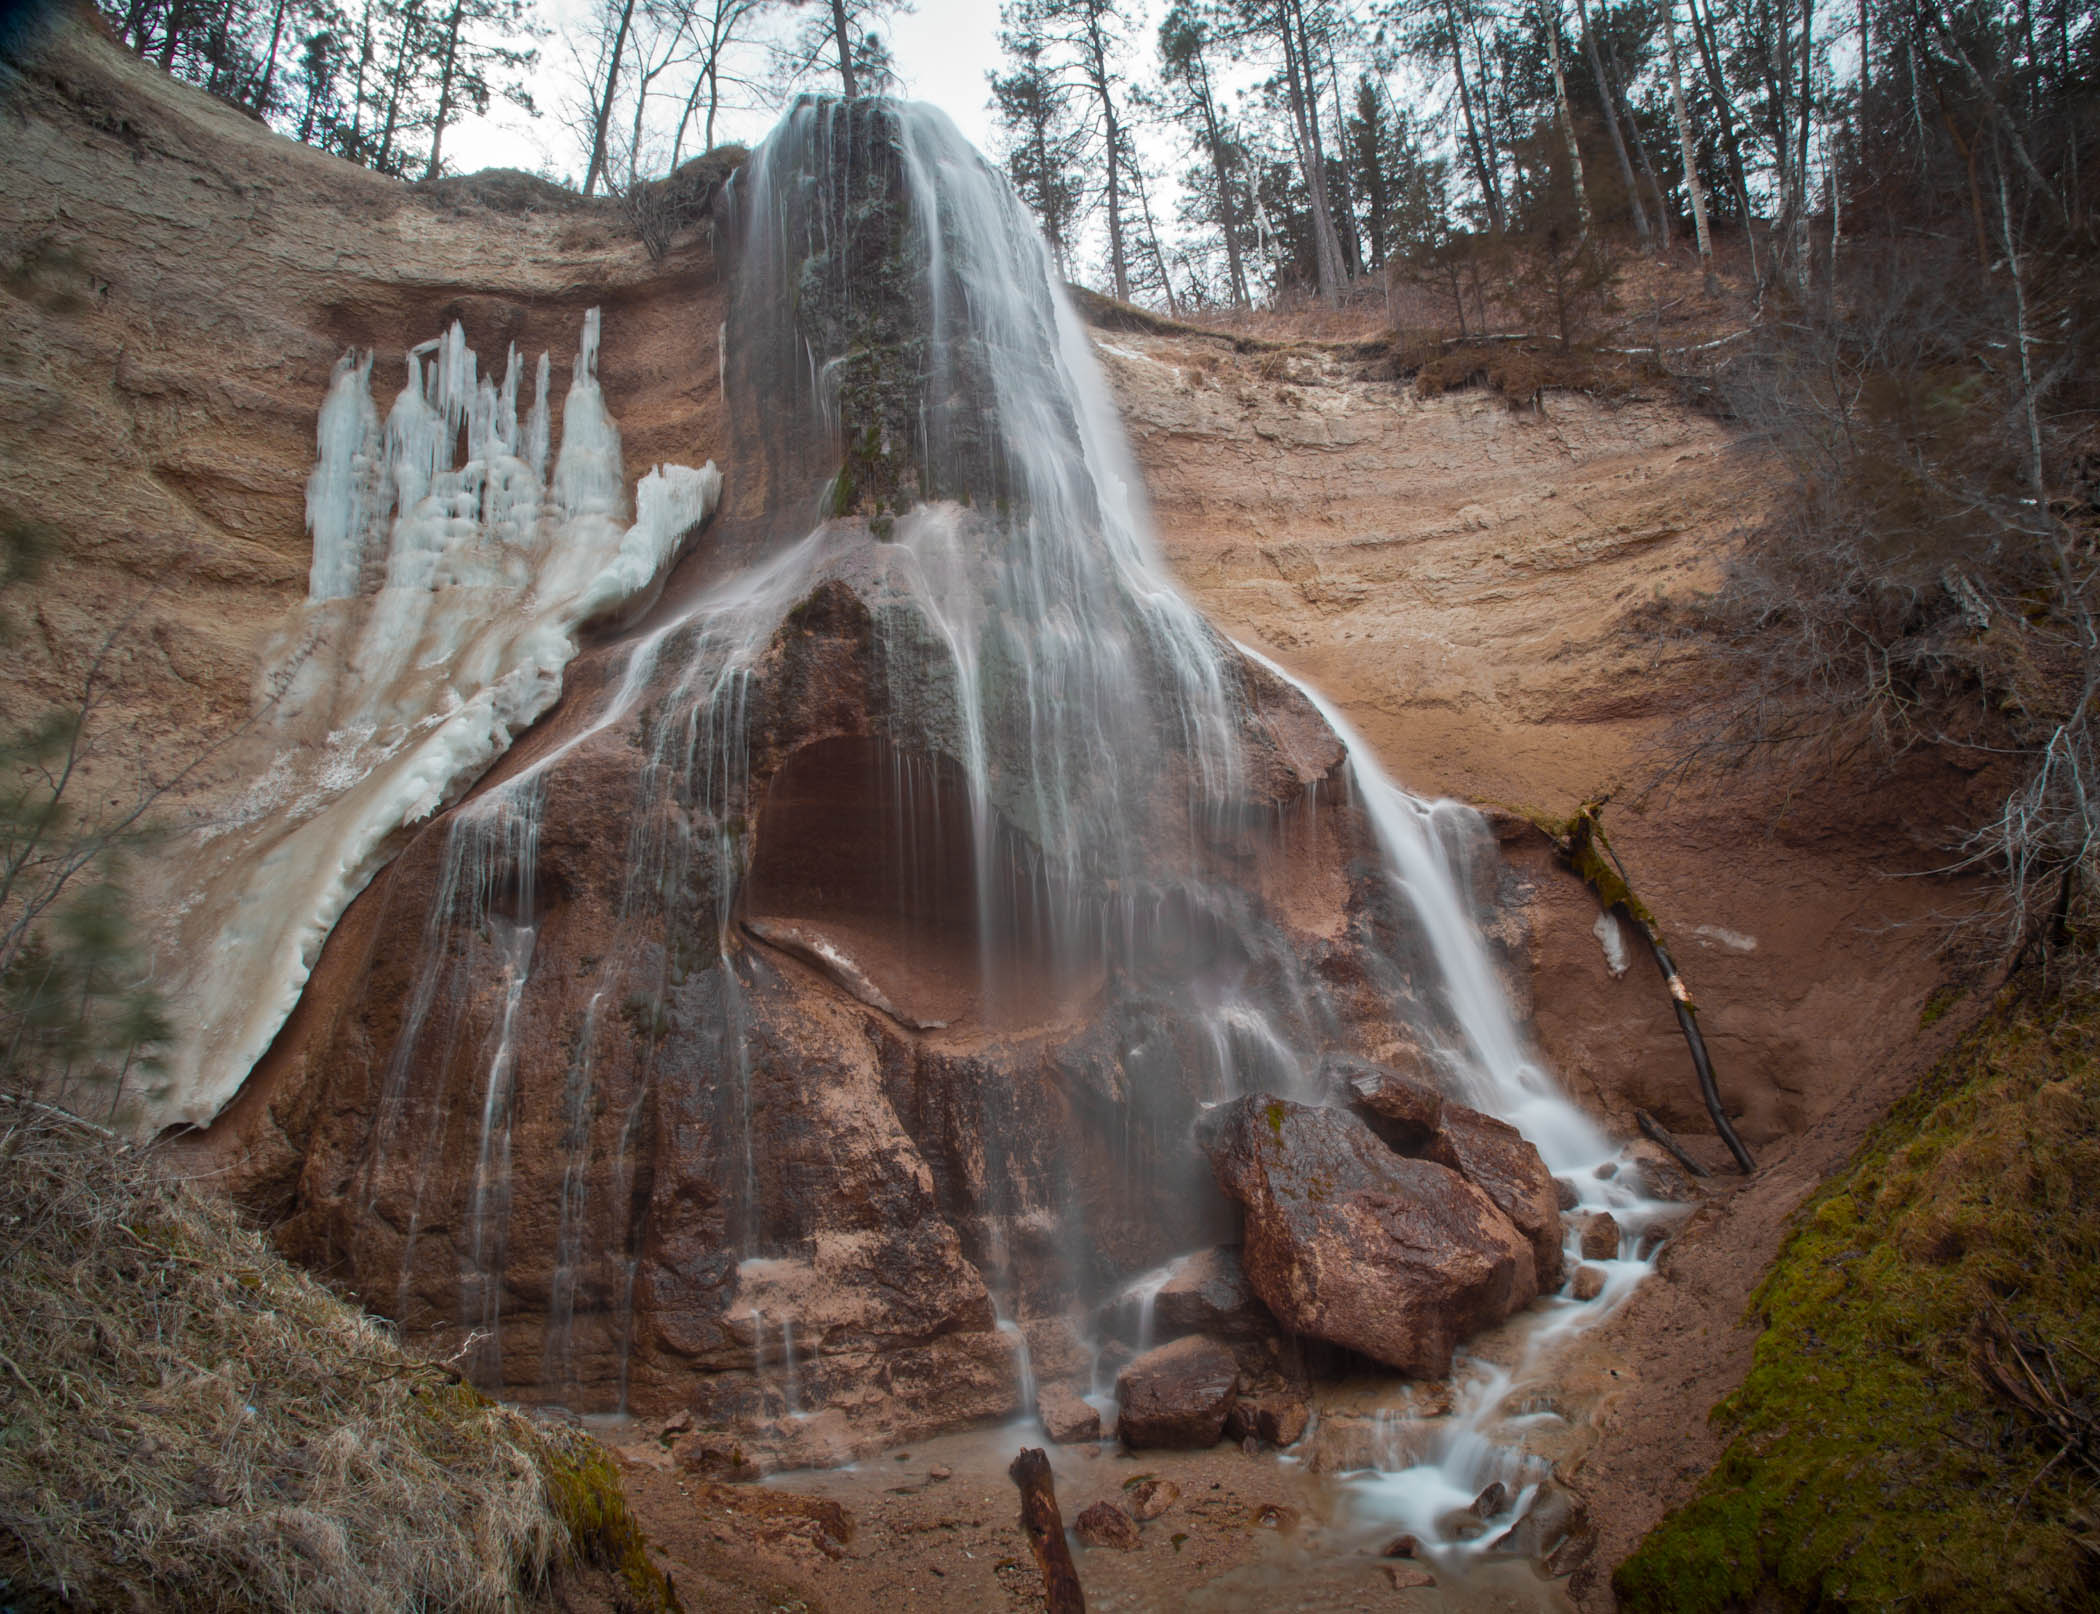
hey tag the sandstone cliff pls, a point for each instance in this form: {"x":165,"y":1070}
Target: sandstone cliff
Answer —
{"x":1466,"y":581}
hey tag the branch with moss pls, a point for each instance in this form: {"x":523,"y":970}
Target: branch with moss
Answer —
{"x":1581,"y":841}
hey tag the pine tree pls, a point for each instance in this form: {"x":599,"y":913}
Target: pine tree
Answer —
{"x":1042,"y":139}
{"x":1189,"y":97}
{"x":463,"y":61}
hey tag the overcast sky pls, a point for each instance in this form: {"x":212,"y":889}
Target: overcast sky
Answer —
{"x":943,"y":51}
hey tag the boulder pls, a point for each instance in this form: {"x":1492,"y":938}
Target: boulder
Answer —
{"x":1401,"y":1109}
{"x":1209,"y":1294}
{"x":1494,"y":1157}
{"x":1176,"y":1396}
{"x":1279,"y":1418}
{"x":1347,"y":1442}
{"x":1351,"y":1243}
{"x":1106,"y":1525}
{"x":1661,"y":1175}
{"x":1588,"y":1284}
{"x":1600,"y":1237}
{"x":1067,"y":1419}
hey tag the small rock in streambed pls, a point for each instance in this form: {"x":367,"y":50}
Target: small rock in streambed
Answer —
{"x":1176,"y":1395}
{"x":1066,"y":1416}
{"x":1588,"y":1284}
{"x":1565,"y":1191}
{"x":1149,"y":1498}
{"x":1600,"y":1237}
{"x":1276,"y":1516}
{"x":1491,"y":1501}
{"x":940,"y":1471}
{"x":1402,"y":1547}
{"x":1405,"y":1577}
{"x":1106,"y":1525}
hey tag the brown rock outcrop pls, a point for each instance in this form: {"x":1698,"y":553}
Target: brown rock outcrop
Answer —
{"x":1176,"y":1396}
{"x":1348,"y":1242}
{"x":1494,"y":1157}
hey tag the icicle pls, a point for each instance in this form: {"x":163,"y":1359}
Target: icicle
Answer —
{"x":345,"y":493}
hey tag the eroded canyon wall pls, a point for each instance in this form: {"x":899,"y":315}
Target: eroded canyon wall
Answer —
{"x":1468,"y":581}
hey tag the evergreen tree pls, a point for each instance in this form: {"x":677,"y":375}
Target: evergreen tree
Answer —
{"x":1216,"y":186}
{"x":463,"y":59}
{"x":1042,"y":139}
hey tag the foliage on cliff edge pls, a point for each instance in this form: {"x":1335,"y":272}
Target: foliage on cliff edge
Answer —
{"x":186,"y":1421}
{"x":1921,"y":1428}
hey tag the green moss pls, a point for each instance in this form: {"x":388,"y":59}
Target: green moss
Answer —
{"x":1871,"y":1464}
{"x":1274,"y":1113}
{"x":585,"y":1489}
{"x":1936,"y":1006}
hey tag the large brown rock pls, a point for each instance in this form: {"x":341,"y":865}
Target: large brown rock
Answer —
{"x":1176,"y":1396}
{"x":1209,"y":1295}
{"x":1494,"y":1157}
{"x":1348,"y":1242}
{"x":1402,"y":1109}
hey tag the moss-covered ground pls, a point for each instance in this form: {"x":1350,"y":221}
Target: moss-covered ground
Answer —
{"x":1918,"y":1430}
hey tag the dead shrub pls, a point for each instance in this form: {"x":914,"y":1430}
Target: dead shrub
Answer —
{"x":192,"y":1423}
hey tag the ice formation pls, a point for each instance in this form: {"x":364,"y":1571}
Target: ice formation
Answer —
{"x":446,"y":594}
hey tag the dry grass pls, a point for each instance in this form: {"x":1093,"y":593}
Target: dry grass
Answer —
{"x":190,"y":1422}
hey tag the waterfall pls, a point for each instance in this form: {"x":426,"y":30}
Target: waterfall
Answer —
{"x":928,"y":716}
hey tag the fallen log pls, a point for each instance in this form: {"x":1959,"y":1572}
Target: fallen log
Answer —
{"x":1656,"y":1132}
{"x":1045,"y":1529}
{"x":1582,"y":842}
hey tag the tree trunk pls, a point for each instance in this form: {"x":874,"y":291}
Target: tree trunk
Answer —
{"x":397,"y":80}
{"x":1235,"y":271}
{"x":1327,"y":252}
{"x":167,"y":45}
{"x":1102,"y":80}
{"x":1617,"y":74}
{"x":844,"y":35}
{"x":1611,"y":122}
{"x":445,"y":77}
{"x":601,"y":114}
{"x":1490,"y":189}
{"x":269,"y":78}
{"x":1045,"y":1529}
{"x":1692,"y":186}
{"x":1567,"y":125}
{"x":1802,"y":113}
{"x":1709,"y":54}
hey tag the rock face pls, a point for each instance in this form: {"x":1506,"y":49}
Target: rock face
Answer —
{"x":679,"y":1063}
{"x":1348,"y":1242}
{"x":804,"y":985}
{"x":1176,"y":1396}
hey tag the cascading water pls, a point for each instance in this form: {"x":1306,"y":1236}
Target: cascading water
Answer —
{"x":851,"y":968}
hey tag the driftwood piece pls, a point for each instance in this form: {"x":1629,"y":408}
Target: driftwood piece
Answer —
{"x":1656,"y":1132}
{"x":1045,"y":1529}
{"x":1584,"y":845}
